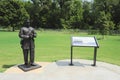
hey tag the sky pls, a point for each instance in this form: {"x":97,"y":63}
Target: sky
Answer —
{"x":88,"y":0}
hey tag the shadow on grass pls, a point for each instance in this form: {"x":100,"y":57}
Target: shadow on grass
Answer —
{"x":8,"y":30}
{"x":8,"y":66}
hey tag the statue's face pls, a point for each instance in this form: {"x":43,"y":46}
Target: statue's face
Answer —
{"x":27,"y":24}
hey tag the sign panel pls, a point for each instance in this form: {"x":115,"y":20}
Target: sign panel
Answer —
{"x":84,"y":41}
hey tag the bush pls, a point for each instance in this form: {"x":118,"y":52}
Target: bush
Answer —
{"x":93,"y":31}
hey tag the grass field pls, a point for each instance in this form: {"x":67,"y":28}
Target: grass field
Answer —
{"x":55,"y":45}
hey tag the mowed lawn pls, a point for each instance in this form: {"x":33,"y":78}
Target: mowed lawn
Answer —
{"x":55,"y":45}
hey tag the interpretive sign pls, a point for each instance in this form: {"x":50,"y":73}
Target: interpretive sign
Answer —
{"x":84,"y":42}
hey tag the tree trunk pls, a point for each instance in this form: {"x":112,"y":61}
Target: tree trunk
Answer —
{"x":13,"y":28}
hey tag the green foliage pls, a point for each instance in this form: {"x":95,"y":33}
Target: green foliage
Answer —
{"x":112,"y":11}
{"x":118,"y":27}
{"x":71,"y":14}
{"x":76,"y":14}
{"x":104,"y":23}
{"x":62,"y":14}
{"x":88,"y":15}
{"x":12,"y":12}
{"x":116,"y":14}
{"x":55,"y":14}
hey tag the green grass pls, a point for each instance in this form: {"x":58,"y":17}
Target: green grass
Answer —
{"x":55,"y":45}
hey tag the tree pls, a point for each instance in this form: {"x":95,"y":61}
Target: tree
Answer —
{"x":65,"y":12}
{"x":109,"y":6}
{"x":39,"y":11}
{"x":55,"y":13}
{"x":54,"y":16}
{"x":12,"y":14}
{"x":88,"y":15}
{"x":71,"y":13}
{"x":33,"y":10}
{"x":104,"y":23}
{"x":104,"y":18}
{"x":116,"y":15}
{"x":76,"y":14}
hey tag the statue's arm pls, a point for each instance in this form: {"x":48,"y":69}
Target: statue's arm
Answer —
{"x":34,"y":33}
{"x":22,"y":35}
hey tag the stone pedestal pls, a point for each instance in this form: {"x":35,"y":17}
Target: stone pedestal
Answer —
{"x":28,"y":67}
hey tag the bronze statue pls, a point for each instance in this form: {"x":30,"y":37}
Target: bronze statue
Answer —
{"x":27,"y":35}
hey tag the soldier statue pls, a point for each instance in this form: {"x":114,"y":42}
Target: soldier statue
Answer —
{"x":27,"y":35}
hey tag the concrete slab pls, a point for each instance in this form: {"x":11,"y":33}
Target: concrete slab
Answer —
{"x":60,"y":70}
{"x":0,"y":75}
{"x":82,"y":70}
{"x":20,"y":76}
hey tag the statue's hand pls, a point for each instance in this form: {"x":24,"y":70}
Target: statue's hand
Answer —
{"x":27,"y":36}
{"x":31,"y":35}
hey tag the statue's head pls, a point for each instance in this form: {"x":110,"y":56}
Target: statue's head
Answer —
{"x":27,"y":23}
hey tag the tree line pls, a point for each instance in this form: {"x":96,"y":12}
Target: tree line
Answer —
{"x":101,"y":15}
